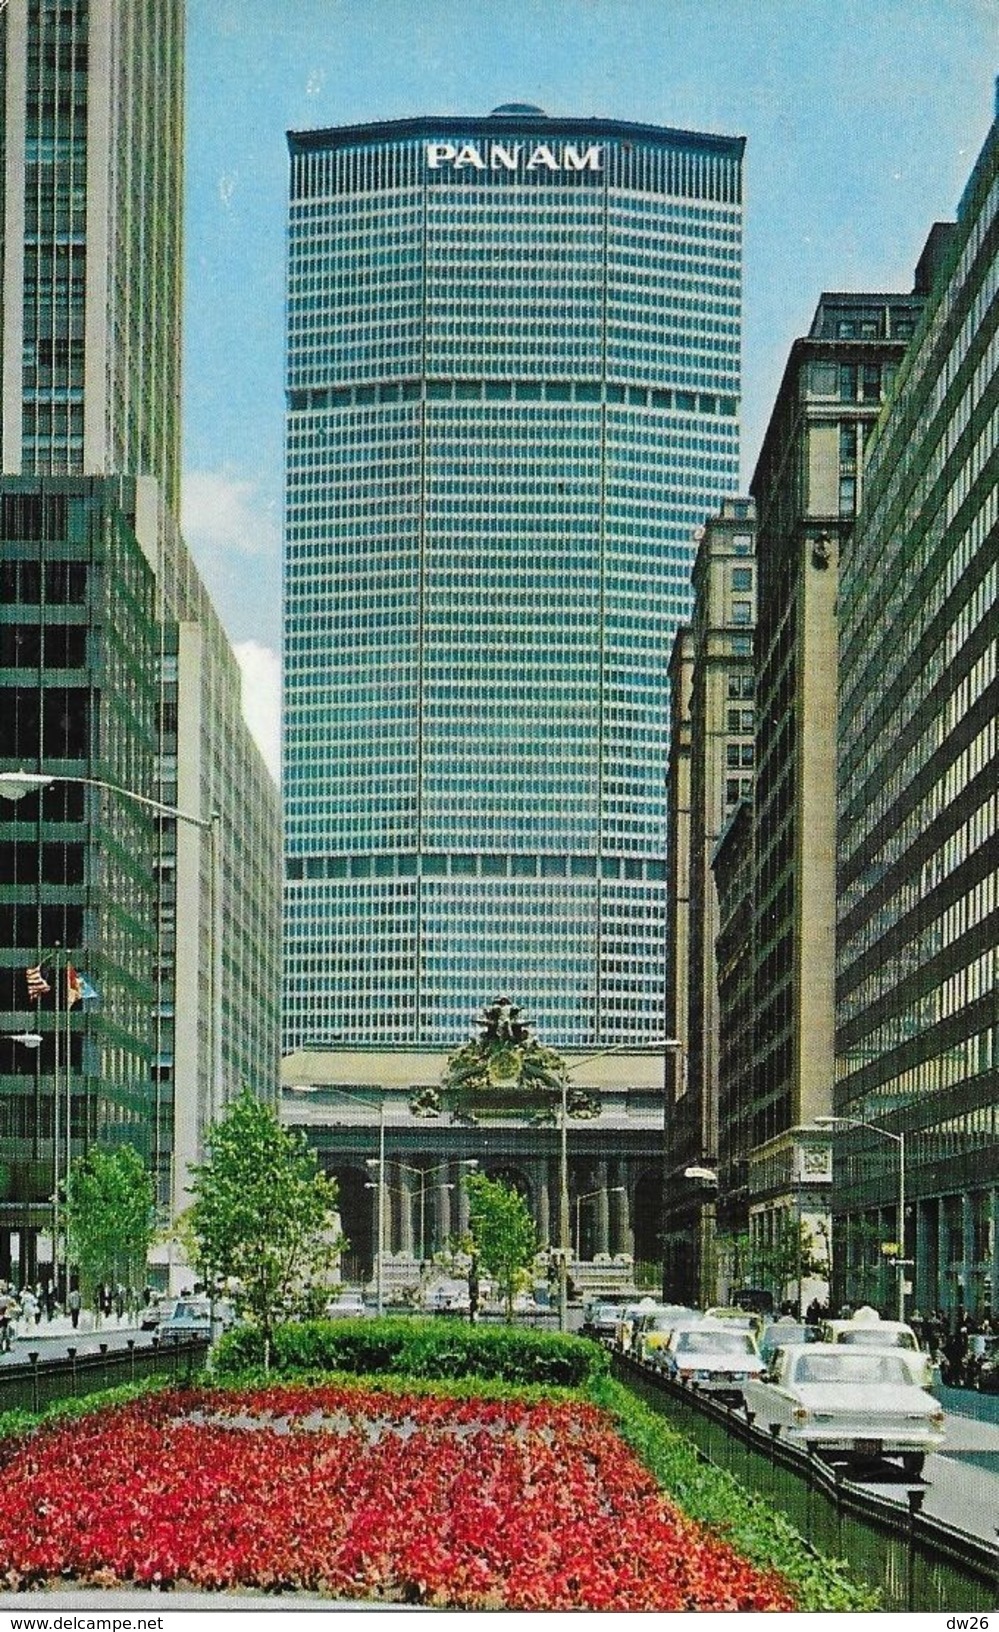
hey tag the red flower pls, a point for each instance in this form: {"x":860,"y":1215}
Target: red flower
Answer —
{"x":465,"y":1503}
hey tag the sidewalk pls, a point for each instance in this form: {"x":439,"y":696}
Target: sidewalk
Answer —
{"x":62,"y":1325}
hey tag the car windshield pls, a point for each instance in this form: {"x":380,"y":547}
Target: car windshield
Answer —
{"x":779,"y":1336}
{"x":870,"y":1337}
{"x":714,"y":1343}
{"x":851,"y":1369}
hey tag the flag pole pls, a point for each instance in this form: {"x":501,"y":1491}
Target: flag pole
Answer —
{"x":55,"y":1140}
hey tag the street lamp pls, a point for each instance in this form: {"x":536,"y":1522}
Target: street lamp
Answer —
{"x":406,"y":1195}
{"x":899,"y":1140}
{"x":614,"y":1190}
{"x":424,"y":1173}
{"x":564,"y":1245}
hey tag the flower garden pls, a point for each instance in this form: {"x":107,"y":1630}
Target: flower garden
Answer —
{"x":462,"y":1493}
{"x":358,"y":1493}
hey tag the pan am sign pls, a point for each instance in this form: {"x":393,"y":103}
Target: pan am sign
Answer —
{"x":513,"y":156}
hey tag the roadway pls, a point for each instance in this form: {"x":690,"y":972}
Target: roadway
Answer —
{"x":960,"y":1482}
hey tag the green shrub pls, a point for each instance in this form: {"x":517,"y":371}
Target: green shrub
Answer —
{"x":414,"y":1348}
{"x":715,"y":1499}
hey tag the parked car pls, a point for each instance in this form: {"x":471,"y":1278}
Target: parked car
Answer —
{"x":860,"y":1403}
{"x":867,"y":1330}
{"x":715,"y":1359}
{"x":347,"y":1305}
{"x":782,"y":1334}
{"x":654,"y":1329}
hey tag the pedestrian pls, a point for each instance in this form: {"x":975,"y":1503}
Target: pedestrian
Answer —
{"x":30,"y":1312}
{"x":119,"y":1302}
{"x":74,"y":1303}
{"x":6,"y":1317}
{"x":49,"y":1300}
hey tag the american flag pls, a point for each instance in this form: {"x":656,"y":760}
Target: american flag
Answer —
{"x":37,"y":984}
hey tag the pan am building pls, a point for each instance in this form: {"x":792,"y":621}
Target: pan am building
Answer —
{"x":513,"y":373}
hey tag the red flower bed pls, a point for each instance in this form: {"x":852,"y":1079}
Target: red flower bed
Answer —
{"x":470,"y":1504}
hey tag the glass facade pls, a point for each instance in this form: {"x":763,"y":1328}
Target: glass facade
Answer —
{"x":918,"y":932}
{"x":513,"y":381}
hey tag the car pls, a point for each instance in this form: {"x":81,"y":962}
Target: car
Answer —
{"x":348,"y":1305}
{"x":600,"y":1321}
{"x":865,"y":1329}
{"x":858,"y":1403}
{"x":628,"y":1315}
{"x":653,"y":1329}
{"x":713,"y":1358}
{"x":155,"y":1313}
{"x":782,"y":1334}
{"x":448,"y":1298}
{"x":744,"y":1320}
{"x":189,"y":1317}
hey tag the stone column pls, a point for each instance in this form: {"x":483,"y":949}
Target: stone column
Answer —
{"x":439,"y":1227}
{"x":405,"y":1211}
{"x":542,"y":1207}
{"x":923,"y":1297}
{"x":622,"y":1236}
{"x":601,"y":1233}
{"x":943,"y":1256}
{"x":461,"y":1209}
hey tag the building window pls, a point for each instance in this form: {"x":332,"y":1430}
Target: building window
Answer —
{"x":742,"y":578}
{"x":742,"y":611}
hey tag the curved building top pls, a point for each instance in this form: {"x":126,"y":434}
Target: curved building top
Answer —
{"x":505,"y":120}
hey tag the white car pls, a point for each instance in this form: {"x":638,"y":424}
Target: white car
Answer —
{"x":862,"y":1403}
{"x":349,"y":1305}
{"x":714,"y":1359}
{"x":866,"y":1330}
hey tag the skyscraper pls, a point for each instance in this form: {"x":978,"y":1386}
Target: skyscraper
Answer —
{"x":513,"y":389}
{"x":114,"y":667}
{"x":917,"y":966}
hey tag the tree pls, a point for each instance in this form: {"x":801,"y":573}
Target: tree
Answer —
{"x":109,"y":1217}
{"x":264,"y":1215}
{"x":503,"y":1234}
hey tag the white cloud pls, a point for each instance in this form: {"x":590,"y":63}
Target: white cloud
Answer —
{"x":223,"y":514}
{"x":261,"y":669}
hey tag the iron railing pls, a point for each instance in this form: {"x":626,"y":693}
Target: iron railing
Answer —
{"x":918,"y":1561}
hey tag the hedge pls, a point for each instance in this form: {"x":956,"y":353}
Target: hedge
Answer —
{"x":715,"y":1499}
{"x":413,"y":1348}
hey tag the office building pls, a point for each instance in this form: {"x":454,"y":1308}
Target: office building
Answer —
{"x":807,"y":486}
{"x":918,"y":800}
{"x":513,"y":389}
{"x":110,"y":640}
{"x":714,"y":725}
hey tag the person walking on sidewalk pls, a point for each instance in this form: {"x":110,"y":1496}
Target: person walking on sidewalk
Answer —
{"x":73,"y":1304}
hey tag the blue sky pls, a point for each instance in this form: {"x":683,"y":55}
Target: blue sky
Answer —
{"x":862,"y":118}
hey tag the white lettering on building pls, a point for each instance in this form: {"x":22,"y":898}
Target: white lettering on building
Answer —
{"x":513,"y":156}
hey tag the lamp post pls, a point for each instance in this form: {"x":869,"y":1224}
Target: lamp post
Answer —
{"x":564,"y":1243}
{"x":424,"y":1173}
{"x":406,"y":1195}
{"x":614,"y":1190}
{"x":899,"y":1140}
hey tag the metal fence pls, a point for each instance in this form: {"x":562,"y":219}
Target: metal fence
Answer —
{"x":918,"y":1562}
{"x":36,"y":1383}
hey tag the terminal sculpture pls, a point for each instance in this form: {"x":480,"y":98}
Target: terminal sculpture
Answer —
{"x":504,"y":1066}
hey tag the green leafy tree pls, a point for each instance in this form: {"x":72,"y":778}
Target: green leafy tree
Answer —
{"x":503,"y":1234}
{"x":263,"y":1215}
{"x":109,"y":1217}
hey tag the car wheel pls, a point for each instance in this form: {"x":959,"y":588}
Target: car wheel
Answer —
{"x":912,"y":1463}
